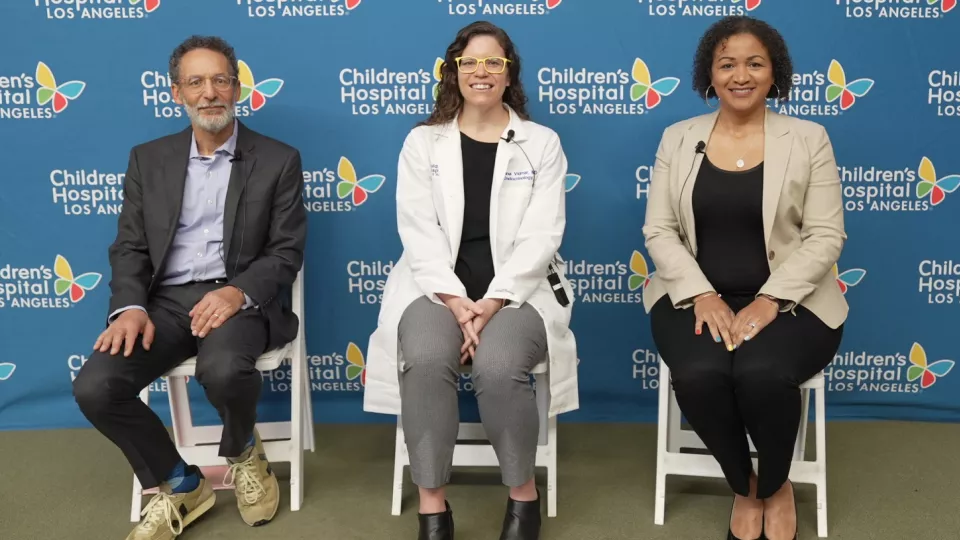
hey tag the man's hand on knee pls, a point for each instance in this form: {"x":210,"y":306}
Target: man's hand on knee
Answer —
{"x":214,"y":309}
{"x":123,"y":332}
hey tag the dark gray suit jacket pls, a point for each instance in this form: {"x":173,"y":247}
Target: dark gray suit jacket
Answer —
{"x":266,"y":183}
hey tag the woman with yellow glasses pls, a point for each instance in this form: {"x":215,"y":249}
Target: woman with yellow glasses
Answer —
{"x":480,"y":211}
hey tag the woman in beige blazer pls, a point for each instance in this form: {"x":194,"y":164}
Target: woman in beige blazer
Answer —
{"x":744,"y":224}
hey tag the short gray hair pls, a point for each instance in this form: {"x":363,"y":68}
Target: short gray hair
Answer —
{"x":193,"y":43}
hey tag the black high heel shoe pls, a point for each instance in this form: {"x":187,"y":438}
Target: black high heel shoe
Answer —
{"x":522,"y":520}
{"x":437,"y":526}
{"x":731,"y":536}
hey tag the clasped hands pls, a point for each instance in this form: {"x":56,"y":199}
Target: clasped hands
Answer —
{"x":733,"y":329}
{"x":211,"y":312}
{"x":472,"y":318}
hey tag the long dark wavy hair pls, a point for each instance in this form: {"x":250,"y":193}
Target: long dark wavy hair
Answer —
{"x":449,"y":98}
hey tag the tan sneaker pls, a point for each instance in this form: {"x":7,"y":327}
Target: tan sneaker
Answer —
{"x":258,"y":493}
{"x":167,"y":514}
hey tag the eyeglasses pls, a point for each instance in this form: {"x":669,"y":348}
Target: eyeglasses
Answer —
{"x":493,"y":64}
{"x":220,"y":83}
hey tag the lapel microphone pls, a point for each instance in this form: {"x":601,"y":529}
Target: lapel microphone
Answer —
{"x":509,"y":139}
{"x":237,"y":156}
{"x":700,"y":149}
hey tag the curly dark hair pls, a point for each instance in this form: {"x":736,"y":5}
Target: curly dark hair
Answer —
{"x":449,"y":99}
{"x":727,"y":27}
{"x":212,"y":43}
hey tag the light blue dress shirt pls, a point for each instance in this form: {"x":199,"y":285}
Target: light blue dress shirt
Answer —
{"x":196,"y":253}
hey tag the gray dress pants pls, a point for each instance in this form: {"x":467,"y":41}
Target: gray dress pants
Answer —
{"x":512,"y":344}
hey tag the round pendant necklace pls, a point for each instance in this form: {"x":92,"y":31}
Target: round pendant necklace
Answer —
{"x":740,"y":161}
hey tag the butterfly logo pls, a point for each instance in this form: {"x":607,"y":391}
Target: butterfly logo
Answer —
{"x":149,"y":5}
{"x":256,"y":92}
{"x":840,"y":88}
{"x":641,"y":272}
{"x":930,"y":184}
{"x":359,"y":188}
{"x":751,"y":4}
{"x":945,"y":6}
{"x":60,"y":95}
{"x":356,"y":367}
{"x":927,"y":373}
{"x":570,"y":182}
{"x":652,"y":91}
{"x":76,"y":285}
{"x":437,"y":76}
{"x":848,"y":278}
{"x":553,"y":3}
{"x":6,"y":370}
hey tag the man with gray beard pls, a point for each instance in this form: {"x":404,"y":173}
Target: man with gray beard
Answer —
{"x":209,"y":243}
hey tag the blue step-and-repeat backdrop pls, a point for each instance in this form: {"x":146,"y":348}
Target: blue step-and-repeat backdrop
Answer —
{"x":81,"y":81}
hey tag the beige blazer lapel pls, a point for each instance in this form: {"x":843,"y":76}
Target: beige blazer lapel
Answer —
{"x":689,"y":166}
{"x":776,"y":157}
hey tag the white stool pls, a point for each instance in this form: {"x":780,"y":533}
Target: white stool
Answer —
{"x":282,"y":441}
{"x":671,"y":438}
{"x":482,"y":455}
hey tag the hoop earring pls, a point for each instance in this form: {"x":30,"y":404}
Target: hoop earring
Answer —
{"x":706,"y":98}
{"x":777,"y":100}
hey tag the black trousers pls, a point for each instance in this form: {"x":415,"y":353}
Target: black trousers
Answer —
{"x":754,"y":389}
{"x":107,"y":387}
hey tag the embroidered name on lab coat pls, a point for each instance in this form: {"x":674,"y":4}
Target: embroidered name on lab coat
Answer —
{"x":518,"y":176}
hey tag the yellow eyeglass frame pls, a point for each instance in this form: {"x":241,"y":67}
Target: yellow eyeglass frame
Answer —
{"x":484,"y":62}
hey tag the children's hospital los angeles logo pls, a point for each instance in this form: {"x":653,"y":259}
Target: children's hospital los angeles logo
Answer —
{"x":939,"y":281}
{"x":895,"y":9}
{"x":374,"y":91}
{"x":500,"y":7}
{"x":895,"y":373}
{"x":87,"y":192}
{"x":97,"y":9}
{"x":351,"y":189}
{"x":332,"y":372}
{"x":254,"y":95}
{"x":366,"y":279}
{"x":571,"y":90}
{"x":615,"y":282}
{"x":944,"y":92}
{"x":698,"y":8}
{"x":268,"y":9}
{"x":37,"y":96}
{"x":829,"y":93}
{"x":870,"y":189}
{"x":44,"y":287}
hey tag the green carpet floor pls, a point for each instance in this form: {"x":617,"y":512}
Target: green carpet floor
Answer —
{"x":888,"y":480}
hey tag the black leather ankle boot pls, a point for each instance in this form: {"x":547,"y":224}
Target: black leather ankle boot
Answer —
{"x":436,"y":526}
{"x":522,"y":520}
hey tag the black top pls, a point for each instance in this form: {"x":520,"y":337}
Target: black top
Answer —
{"x":475,"y":260}
{"x":728,"y":211}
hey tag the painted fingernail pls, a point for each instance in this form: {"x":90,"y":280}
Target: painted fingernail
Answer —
{"x":717,"y":339}
{"x":730,"y":348}
{"x":698,"y":331}
{"x":746,"y":338}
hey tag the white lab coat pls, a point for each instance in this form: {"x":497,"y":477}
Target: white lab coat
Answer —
{"x":527,"y":219}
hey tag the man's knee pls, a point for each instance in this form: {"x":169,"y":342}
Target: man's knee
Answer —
{"x":224,"y":372}
{"x":98,"y":384}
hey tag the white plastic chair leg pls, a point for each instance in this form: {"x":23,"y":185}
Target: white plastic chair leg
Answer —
{"x":821,"y":431}
{"x":398,"y":464}
{"x":664,"y":411}
{"x":552,"y":468}
{"x":297,"y":397}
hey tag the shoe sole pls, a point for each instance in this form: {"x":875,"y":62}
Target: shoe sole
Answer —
{"x":199,"y":510}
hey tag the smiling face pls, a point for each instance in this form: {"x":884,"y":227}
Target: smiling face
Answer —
{"x":742,"y":73}
{"x":207,"y":89}
{"x":484,"y":87}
